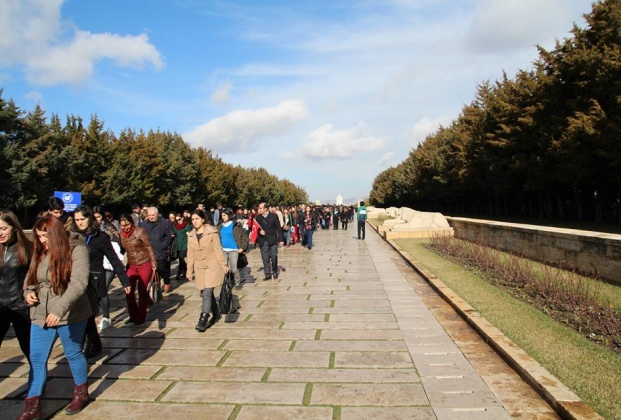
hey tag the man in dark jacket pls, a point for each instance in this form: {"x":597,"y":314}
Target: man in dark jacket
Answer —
{"x":160,"y":235}
{"x":270,"y":236}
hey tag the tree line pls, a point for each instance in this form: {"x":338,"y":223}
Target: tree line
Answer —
{"x":39,"y":157}
{"x":544,"y":144}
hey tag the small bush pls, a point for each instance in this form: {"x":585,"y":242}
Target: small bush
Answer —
{"x":563,"y":294}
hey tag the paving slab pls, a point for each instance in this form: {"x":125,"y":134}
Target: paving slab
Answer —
{"x":343,"y":333}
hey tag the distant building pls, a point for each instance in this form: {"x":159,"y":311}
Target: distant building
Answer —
{"x":339,"y":200}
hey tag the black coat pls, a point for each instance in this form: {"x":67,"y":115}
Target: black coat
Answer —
{"x":160,"y":235}
{"x":100,"y":246}
{"x":271,"y":226}
{"x":12,"y":282}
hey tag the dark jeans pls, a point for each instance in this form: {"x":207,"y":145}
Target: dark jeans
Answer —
{"x":269,"y":254}
{"x":344,"y":224}
{"x":104,"y":302}
{"x":308,"y":238}
{"x":361,"y":228}
{"x":163,"y":269}
{"x":182,"y":270}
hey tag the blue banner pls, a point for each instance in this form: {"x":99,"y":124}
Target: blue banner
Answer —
{"x":71,"y":200}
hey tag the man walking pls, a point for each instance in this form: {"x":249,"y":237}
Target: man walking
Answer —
{"x":361,"y":216}
{"x":270,"y":236}
{"x":160,"y":235}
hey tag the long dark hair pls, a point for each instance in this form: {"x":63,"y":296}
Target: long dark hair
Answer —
{"x":93,"y":224}
{"x":23,"y":245}
{"x":59,"y":249}
{"x":127,"y":218}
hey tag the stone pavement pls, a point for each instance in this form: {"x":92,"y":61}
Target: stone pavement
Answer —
{"x":348,"y":331}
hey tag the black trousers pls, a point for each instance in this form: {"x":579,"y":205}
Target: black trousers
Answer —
{"x":21,"y":324}
{"x":183,"y":267}
{"x":163,"y":269}
{"x":361,"y":228}
{"x":269,"y":255}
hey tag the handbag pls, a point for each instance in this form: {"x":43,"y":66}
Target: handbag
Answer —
{"x":226,"y":294}
{"x":242,"y":260}
{"x":154,"y":288}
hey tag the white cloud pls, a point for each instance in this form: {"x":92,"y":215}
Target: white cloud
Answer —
{"x":26,"y":26}
{"x":239,"y":131}
{"x":517,"y":24}
{"x":327,"y":143}
{"x":427,"y":126}
{"x":386,"y":159}
{"x":31,"y":31}
{"x":222,"y":93}
{"x":288,"y":155}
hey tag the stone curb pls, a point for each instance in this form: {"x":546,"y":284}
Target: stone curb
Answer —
{"x":564,"y":402}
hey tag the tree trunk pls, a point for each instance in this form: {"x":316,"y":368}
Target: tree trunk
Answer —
{"x":598,"y":206}
{"x":560,"y":205}
{"x":579,"y":210}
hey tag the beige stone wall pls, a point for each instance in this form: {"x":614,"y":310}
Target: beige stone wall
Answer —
{"x":591,"y":252}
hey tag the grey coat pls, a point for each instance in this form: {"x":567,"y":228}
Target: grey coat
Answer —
{"x":72,"y":305}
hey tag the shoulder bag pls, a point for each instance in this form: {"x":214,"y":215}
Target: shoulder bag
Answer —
{"x":154,"y":288}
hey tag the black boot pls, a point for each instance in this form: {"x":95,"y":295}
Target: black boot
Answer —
{"x":215,"y":309}
{"x":202,"y":322}
{"x":92,"y":344}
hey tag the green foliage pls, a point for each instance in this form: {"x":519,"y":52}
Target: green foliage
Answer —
{"x":155,"y":167}
{"x":543,"y":144}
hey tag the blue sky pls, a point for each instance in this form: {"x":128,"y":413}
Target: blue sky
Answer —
{"x":326,"y":94}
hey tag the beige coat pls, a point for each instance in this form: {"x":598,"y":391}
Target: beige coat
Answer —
{"x":205,"y":258}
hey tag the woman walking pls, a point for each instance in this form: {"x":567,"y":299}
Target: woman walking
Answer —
{"x":141,"y":263}
{"x":308,"y":228}
{"x":115,"y":239}
{"x":99,"y":246}
{"x":181,"y":228}
{"x":16,"y":252}
{"x":234,"y":242}
{"x":207,"y":266}
{"x":59,"y":307}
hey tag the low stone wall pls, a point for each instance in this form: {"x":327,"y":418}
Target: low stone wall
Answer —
{"x":405,"y":222}
{"x":589,"y":252}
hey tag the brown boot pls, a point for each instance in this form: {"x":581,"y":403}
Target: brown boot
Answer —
{"x":31,"y":410}
{"x":80,"y":399}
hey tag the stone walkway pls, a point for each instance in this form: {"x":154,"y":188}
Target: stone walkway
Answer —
{"x":348,"y":331}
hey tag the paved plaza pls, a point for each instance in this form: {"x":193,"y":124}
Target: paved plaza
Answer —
{"x":348,"y":331}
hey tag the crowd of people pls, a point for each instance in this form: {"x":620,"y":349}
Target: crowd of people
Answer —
{"x":55,"y":285}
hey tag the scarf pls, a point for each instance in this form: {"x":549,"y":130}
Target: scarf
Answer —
{"x":181,"y":225}
{"x":128,"y":234}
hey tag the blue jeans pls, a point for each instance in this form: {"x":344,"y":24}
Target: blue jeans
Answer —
{"x":287,"y":235}
{"x":41,"y":343}
{"x":308,"y":238}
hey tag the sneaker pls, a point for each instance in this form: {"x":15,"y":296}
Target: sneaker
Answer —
{"x":104,"y":324}
{"x":130,"y":321}
{"x":238,"y":287}
{"x":166,"y":288}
